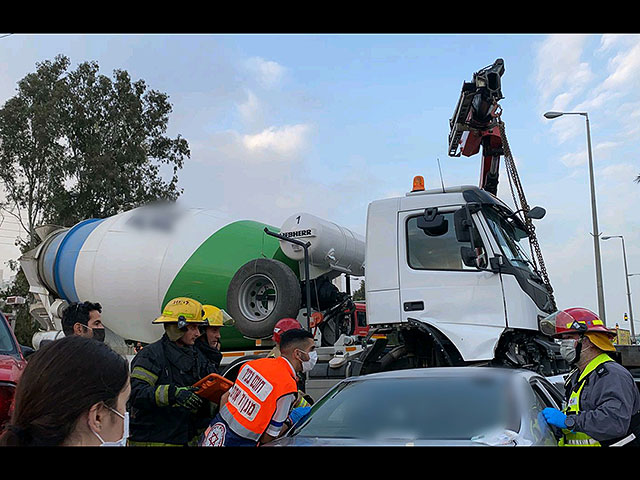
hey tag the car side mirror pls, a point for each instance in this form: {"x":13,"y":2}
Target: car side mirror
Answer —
{"x":26,"y":351}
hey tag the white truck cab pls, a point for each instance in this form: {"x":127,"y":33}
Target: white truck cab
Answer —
{"x":448,"y":269}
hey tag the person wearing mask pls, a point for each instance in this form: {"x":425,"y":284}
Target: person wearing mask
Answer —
{"x":209,"y":340}
{"x":83,"y":319}
{"x":73,"y":392}
{"x":165,"y":411}
{"x":602,"y":400}
{"x":255,"y":409}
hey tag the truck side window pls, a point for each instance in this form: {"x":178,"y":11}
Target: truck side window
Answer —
{"x":440,"y":252}
{"x":362,"y":319}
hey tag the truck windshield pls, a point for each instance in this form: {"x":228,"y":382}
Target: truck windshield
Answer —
{"x":512,"y":239}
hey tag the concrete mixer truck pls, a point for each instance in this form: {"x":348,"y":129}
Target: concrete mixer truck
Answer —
{"x":448,"y":279}
{"x":134,"y":262}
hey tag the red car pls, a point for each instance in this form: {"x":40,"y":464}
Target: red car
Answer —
{"x":12,"y":364}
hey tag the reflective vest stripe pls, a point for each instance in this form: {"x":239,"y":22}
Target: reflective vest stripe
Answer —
{"x":587,"y":441}
{"x":236,"y":426}
{"x":573,"y":406}
{"x":252,"y":400}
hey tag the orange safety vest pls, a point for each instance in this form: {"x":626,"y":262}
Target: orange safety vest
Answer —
{"x":253,"y":397}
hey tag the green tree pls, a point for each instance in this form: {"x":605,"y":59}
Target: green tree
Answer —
{"x":75,"y":144}
{"x":115,"y":134}
{"x":31,"y":155}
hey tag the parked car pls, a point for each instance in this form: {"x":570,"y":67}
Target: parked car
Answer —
{"x":449,"y":406}
{"x":12,"y":364}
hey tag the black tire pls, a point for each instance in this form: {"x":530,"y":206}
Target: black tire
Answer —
{"x":232,"y":370}
{"x":276,"y":290}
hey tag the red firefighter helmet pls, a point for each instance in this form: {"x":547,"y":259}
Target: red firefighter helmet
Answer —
{"x":573,"y":320}
{"x":282,"y":326}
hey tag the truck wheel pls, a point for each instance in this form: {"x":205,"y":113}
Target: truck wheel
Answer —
{"x":260,"y":293}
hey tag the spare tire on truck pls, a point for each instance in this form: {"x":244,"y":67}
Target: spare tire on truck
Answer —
{"x":262,"y":292}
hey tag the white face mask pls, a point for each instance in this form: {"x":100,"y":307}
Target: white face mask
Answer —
{"x":307,"y":365}
{"x":570,"y":350}
{"x":125,"y":431}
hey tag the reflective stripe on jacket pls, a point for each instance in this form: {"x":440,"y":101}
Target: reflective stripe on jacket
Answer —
{"x":252,"y":399}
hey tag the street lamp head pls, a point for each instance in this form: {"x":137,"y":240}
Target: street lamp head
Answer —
{"x":611,"y":236}
{"x":551,"y":115}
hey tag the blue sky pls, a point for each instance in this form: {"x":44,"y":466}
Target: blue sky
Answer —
{"x":327,"y":123}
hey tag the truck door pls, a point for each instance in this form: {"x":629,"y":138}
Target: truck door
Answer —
{"x":437,"y":288}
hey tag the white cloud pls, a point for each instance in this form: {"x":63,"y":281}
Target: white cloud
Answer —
{"x":250,"y":108}
{"x":601,"y":151}
{"x":574,"y":159}
{"x":626,"y":67}
{"x":288,"y":140}
{"x":559,"y":67}
{"x":607,"y":41}
{"x":268,"y":73}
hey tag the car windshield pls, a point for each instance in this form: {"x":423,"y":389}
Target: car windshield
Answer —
{"x":434,"y":408}
{"x":512,"y":239}
{"x":7,"y":344}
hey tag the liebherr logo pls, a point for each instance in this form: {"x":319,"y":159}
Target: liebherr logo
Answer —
{"x":298,"y":233}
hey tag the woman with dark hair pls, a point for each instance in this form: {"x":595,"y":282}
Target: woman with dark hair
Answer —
{"x":73,"y":392}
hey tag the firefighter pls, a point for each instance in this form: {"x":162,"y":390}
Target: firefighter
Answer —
{"x":164,"y":408}
{"x":602,"y":400}
{"x":256,"y":408}
{"x":209,"y":341}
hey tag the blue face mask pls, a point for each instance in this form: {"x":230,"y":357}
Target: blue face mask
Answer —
{"x":125,"y":431}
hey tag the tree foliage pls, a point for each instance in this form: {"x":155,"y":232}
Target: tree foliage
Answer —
{"x":75,"y":144}
{"x":359,"y":293}
{"x":31,"y":156}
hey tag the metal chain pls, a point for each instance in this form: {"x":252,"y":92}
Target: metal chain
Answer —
{"x":514,"y":178}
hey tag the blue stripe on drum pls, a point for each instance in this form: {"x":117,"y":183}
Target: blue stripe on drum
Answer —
{"x":67,"y":256}
{"x":49,"y":260}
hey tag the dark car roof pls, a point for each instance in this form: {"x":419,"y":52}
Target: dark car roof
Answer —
{"x":440,"y":372}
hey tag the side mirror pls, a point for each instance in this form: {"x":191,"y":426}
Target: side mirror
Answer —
{"x":536,"y":213}
{"x":469,"y":256}
{"x":27,"y":351}
{"x":462,"y":226}
{"x":432,"y":223}
{"x":496,"y":263}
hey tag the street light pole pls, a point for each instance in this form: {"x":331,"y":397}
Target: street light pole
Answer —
{"x":594,"y":214}
{"x":626,"y":277}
